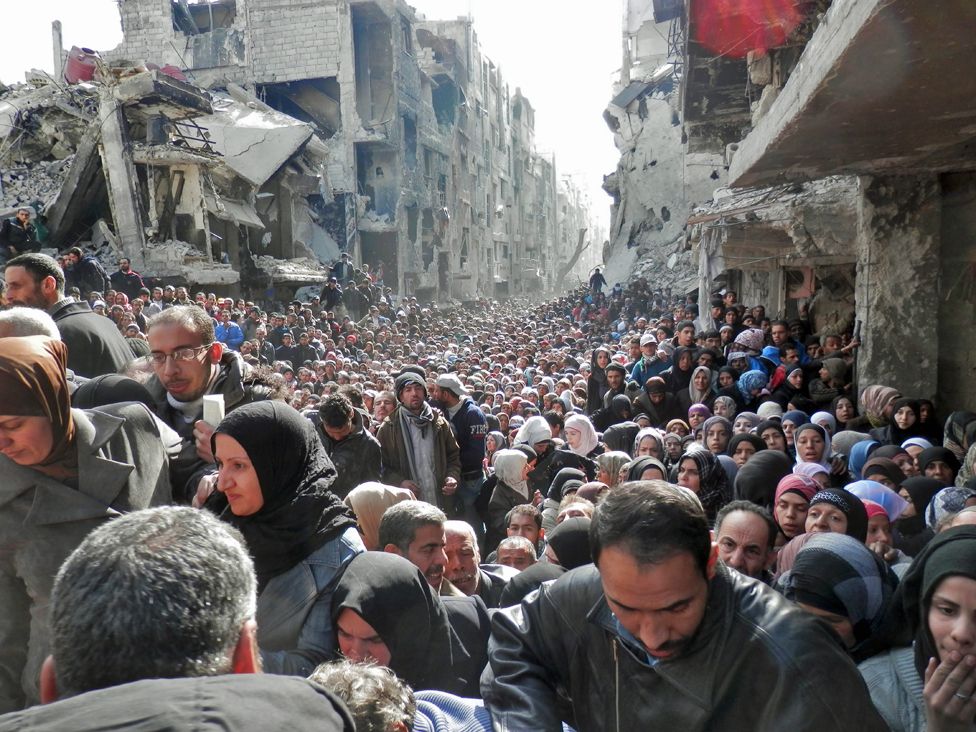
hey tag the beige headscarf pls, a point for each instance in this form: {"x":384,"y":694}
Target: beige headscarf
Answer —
{"x":369,"y":502}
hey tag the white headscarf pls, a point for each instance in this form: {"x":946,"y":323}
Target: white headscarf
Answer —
{"x":535,"y":430}
{"x":508,"y":469}
{"x":588,"y":438}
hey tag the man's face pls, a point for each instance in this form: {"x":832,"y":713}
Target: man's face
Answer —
{"x":686,"y":336}
{"x":383,"y":407}
{"x":157,"y":293}
{"x":780,"y":334}
{"x":412,"y":397}
{"x":660,"y":604}
{"x":185,"y":380}
{"x":522,"y":525}
{"x":124,"y":265}
{"x":730,"y":299}
{"x":338,"y":434}
{"x":426,"y":551}
{"x":462,"y":561}
{"x":168,"y":294}
{"x":517,"y":558}
{"x":23,"y":291}
{"x":181,"y":293}
{"x":614,"y":379}
{"x":743,"y":543}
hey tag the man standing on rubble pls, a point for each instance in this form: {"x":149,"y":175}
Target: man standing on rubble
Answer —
{"x":86,"y":273}
{"x":18,"y":235}
{"x":125,"y":280}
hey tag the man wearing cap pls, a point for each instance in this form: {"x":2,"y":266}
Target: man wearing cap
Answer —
{"x":649,"y":364}
{"x":418,"y":447}
{"x":470,"y":429}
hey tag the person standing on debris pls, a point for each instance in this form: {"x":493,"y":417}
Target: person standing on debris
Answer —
{"x":331,"y":294}
{"x":86,"y":273}
{"x":18,"y":235}
{"x":597,"y":281}
{"x":95,"y":346}
{"x":125,"y":280}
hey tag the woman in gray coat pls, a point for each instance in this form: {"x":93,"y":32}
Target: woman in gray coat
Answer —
{"x":63,"y":472}
{"x":275,"y":483}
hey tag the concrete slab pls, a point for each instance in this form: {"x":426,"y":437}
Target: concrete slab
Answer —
{"x":884,"y":86}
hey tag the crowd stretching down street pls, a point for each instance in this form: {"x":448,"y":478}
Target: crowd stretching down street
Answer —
{"x":611,"y":510}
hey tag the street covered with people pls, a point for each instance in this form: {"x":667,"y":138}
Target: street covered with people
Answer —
{"x":607,"y":510}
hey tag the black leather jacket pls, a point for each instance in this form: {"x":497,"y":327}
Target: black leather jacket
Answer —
{"x":756,"y":663}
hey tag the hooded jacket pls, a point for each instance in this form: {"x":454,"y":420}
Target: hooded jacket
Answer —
{"x":564,"y":643}
{"x":357,"y":458}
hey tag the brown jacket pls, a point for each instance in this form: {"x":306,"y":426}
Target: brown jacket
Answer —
{"x":396,"y":464}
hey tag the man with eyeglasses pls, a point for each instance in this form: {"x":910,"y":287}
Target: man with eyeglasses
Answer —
{"x":188,"y":362}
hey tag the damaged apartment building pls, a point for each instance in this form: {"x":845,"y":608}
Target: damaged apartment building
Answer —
{"x":848,"y":140}
{"x":248,"y":143}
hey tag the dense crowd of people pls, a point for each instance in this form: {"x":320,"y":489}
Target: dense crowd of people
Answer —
{"x":610,"y":510}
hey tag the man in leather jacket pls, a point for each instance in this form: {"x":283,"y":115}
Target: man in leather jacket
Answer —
{"x":659,"y":634}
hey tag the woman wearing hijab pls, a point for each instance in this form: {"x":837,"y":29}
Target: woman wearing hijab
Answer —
{"x":812,"y":444}
{"x":63,"y":472}
{"x":875,"y":407}
{"x":620,"y":410}
{"x":568,"y":546}
{"x":658,"y":404}
{"x":918,"y":684}
{"x":716,"y":433}
{"x":743,"y":446}
{"x":860,"y":454}
{"x":836,"y":510}
{"x":939,"y":463}
{"x":903,"y":423}
{"x":700,"y":472}
{"x":581,"y":437}
{"x":885,"y":471}
{"x":838,"y":579}
{"x":844,"y":410}
{"x":697,"y":414}
{"x":756,"y":481}
{"x":384,"y":610}
{"x":960,"y":433}
{"x":511,"y":489}
{"x":910,"y":532}
{"x":649,"y":442}
{"x":946,"y":503}
{"x":368,"y":502}
{"x":818,"y":472}
{"x":494,"y":442}
{"x":677,"y":378}
{"x":899,"y":456}
{"x":596,"y":382}
{"x":724,"y":406}
{"x":621,"y":436}
{"x":647,"y":468}
{"x":609,"y":465}
{"x":790,"y":421}
{"x":790,"y":387}
{"x":773,"y":435}
{"x":744,"y":422}
{"x":791,"y":502}
{"x":699,"y":390}
{"x":275,"y":488}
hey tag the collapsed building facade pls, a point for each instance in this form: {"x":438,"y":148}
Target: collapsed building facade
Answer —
{"x":848,"y":141}
{"x":248,"y":143}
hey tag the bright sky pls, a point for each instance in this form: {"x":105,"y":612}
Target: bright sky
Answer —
{"x":564,"y":54}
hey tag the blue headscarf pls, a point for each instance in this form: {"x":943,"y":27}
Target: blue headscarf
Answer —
{"x":749,"y":381}
{"x":859,"y":456}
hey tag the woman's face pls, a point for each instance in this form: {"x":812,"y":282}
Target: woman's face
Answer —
{"x":924,"y":412}
{"x":741,"y":426}
{"x":952,"y":616}
{"x":574,"y":437}
{"x":701,"y":381}
{"x":720,"y":409}
{"x":844,"y":411}
{"x":879,"y":529}
{"x":358,"y":641}
{"x":602,"y":359}
{"x":880,"y":478}
{"x":810,"y":446}
{"x":695,"y":419}
{"x":791,"y":514}
{"x":907,"y":464}
{"x":717,"y":439}
{"x":904,"y":417}
{"x":503,"y":420}
{"x":910,"y":508}
{"x":603,"y":476}
{"x":685,"y":361}
{"x":652,"y":473}
{"x":743,"y":451}
{"x":730,"y":317}
{"x":26,"y":440}
{"x":739,"y":364}
{"x":688,"y":475}
{"x":788,"y":429}
{"x":237,"y":479}
{"x":940,"y":471}
{"x":648,"y":448}
{"x":825,"y":518}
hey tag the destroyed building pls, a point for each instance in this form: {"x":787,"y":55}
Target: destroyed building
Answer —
{"x":848,"y":138}
{"x":253,"y":141}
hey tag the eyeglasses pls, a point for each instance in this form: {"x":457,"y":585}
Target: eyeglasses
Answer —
{"x":180,"y":355}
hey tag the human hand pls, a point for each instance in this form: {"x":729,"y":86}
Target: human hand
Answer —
{"x":537,"y":499}
{"x":202,"y":433}
{"x":449,"y":487}
{"x":949,"y":693}
{"x":885,"y":551}
{"x":205,"y":489}
{"x":838,"y":465}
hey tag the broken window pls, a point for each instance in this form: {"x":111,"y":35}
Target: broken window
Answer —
{"x":376,"y":173}
{"x":407,"y":35}
{"x":445,"y":99}
{"x":410,"y":142}
{"x":315,"y":101}
{"x":193,"y":17}
{"x":373,"y":52}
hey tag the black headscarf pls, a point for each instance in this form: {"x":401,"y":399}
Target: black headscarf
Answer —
{"x":638,"y":466}
{"x":714,"y":490}
{"x":564,"y":474}
{"x":392,"y":595}
{"x":850,"y":505}
{"x":944,"y":454}
{"x":621,"y":436}
{"x":952,"y":552}
{"x":110,"y":389}
{"x":300,"y":512}
{"x":571,"y":542}
{"x":677,"y":380}
{"x":528,"y":580}
{"x":770,"y":424}
{"x":896,"y":435}
{"x":756,"y":481}
{"x":921,"y":490}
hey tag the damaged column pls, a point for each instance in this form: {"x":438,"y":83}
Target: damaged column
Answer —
{"x":120,"y":177}
{"x":897,"y":300}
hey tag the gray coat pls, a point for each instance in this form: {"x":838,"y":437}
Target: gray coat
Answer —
{"x":122,"y":466}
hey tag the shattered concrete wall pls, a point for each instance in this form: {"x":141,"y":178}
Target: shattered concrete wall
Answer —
{"x":657,"y":182}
